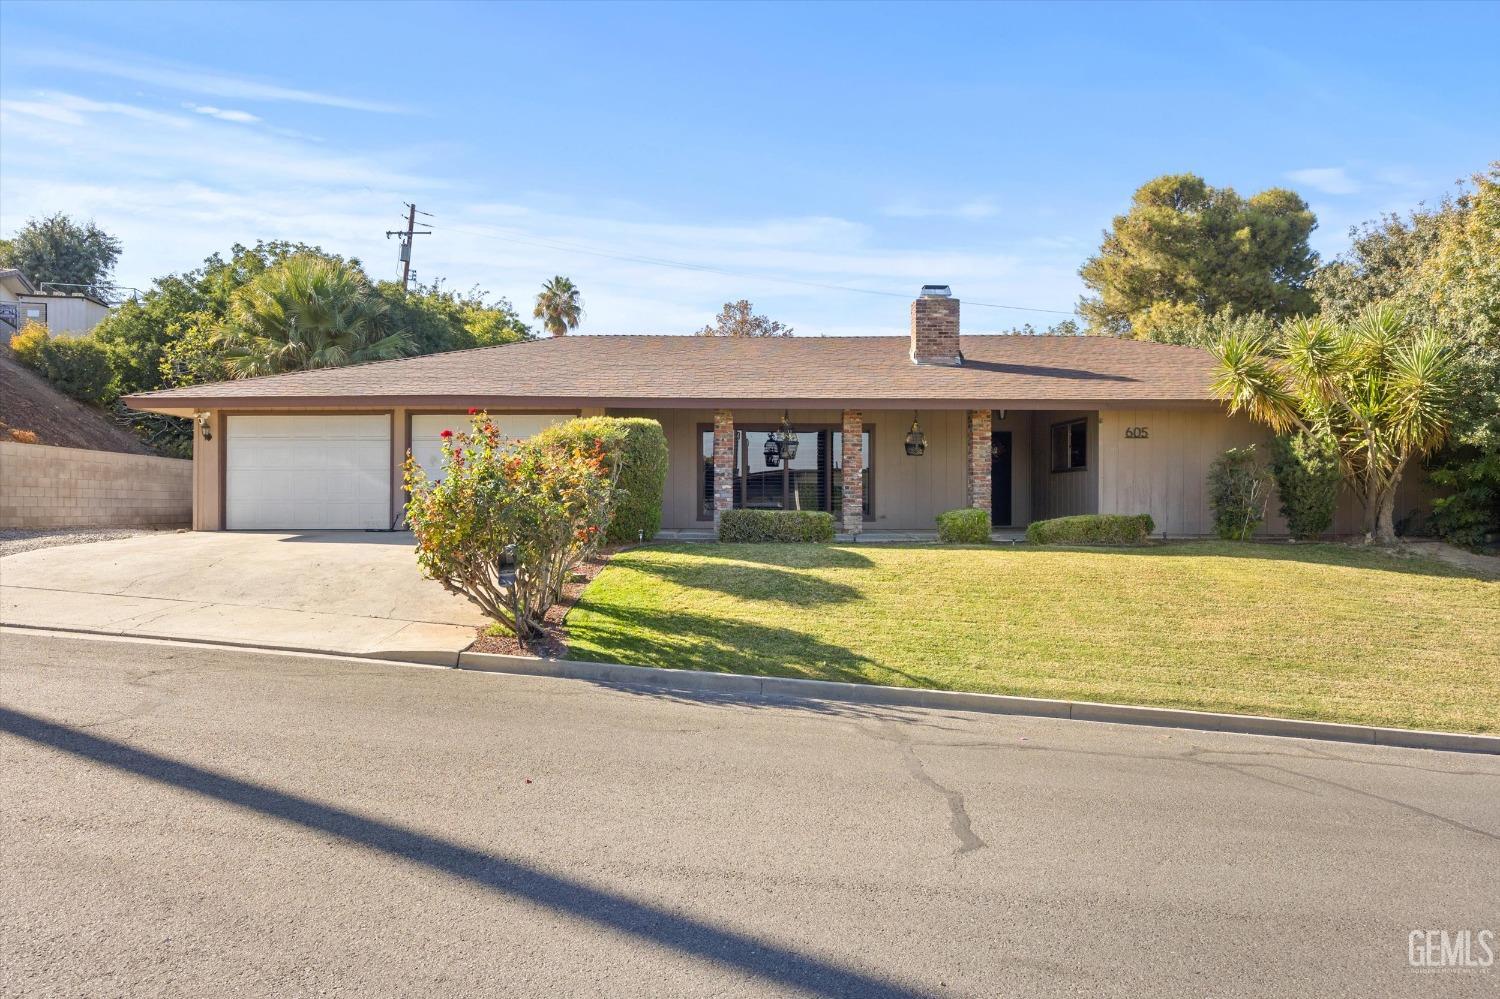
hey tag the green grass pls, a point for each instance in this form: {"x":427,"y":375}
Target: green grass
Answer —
{"x":1307,"y":631}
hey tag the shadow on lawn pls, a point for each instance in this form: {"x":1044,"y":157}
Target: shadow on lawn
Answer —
{"x":787,"y":556}
{"x":750,"y":582}
{"x":686,"y":640}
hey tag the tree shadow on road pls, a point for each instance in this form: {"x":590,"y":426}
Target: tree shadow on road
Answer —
{"x":653,"y":924}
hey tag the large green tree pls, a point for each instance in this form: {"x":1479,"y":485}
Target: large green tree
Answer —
{"x":60,"y":251}
{"x":1379,"y":389}
{"x":308,"y":311}
{"x":558,"y":306}
{"x":1441,"y":266}
{"x":172,"y":334}
{"x":1187,"y":251}
{"x":739,"y":319}
{"x":438,"y":319}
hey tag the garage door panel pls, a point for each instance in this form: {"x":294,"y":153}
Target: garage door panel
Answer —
{"x":308,"y":472}
{"x":427,"y":429}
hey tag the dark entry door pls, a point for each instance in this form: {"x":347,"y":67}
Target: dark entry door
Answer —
{"x":1000,"y":461}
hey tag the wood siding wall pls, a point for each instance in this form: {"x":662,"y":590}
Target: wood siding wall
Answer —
{"x":1062,"y":494}
{"x":1166,"y":474}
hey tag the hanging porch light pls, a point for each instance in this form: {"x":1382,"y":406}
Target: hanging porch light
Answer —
{"x":772,"y":453}
{"x":785,"y":439}
{"x":916,"y":441}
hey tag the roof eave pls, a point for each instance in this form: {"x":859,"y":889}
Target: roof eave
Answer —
{"x":187,"y":405}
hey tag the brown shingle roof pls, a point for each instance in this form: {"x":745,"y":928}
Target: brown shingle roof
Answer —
{"x":865,"y":372}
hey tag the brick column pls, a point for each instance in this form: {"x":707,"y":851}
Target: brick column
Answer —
{"x":723,"y":462}
{"x":978,"y":484}
{"x":853,"y":461}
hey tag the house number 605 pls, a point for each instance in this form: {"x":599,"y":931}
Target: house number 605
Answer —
{"x":1136,"y":433}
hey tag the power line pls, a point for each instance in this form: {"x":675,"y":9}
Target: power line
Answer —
{"x":528,"y":240}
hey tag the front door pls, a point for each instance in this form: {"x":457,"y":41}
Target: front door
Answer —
{"x":1000,"y":459}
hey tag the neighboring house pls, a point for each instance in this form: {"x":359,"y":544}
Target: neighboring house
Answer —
{"x":13,"y":287}
{"x":1028,"y":427}
{"x":21,"y":302}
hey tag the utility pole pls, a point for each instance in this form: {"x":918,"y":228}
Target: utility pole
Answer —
{"x":406,"y":239}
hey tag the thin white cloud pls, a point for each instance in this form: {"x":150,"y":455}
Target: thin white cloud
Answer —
{"x":976,"y":208}
{"x":1327,"y":180}
{"x":223,"y":114}
{"x":193,"y":80}
{"x":178,"y":186}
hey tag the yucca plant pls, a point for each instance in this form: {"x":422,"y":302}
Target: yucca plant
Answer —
{"x":1383,"y":393}
{"x":308,"y":311}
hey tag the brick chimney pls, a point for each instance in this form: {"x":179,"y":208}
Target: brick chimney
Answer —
{"x":934,"y":327}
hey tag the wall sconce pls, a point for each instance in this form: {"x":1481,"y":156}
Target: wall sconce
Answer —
{"x":204,"y":427}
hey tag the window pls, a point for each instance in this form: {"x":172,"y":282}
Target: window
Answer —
{"x":1070,"y":446}
{"x":811,"y":481}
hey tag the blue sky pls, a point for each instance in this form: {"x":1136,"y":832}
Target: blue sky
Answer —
{"x":865,"y":146}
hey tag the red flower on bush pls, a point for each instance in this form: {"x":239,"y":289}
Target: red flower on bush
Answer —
{"x":472,"y":411}
{"x":446,"y":434}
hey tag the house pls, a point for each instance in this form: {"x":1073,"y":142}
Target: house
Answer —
{"x":63,"y":314}
{"x":891,"y":430}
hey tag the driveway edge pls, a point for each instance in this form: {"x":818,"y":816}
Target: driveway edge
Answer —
{"x":736,"y":684}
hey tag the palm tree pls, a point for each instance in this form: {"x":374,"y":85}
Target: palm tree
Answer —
{"x":1383,"y":395}
{"x":558,"y":306}
{"x":309,"y":311}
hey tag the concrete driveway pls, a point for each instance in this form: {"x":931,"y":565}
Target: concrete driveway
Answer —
{"x":348,"y":592}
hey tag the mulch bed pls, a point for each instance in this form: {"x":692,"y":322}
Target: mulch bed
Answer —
{"x":554,"y":641}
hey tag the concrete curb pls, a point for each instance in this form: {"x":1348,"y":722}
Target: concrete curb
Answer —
{"x":736,"y":684}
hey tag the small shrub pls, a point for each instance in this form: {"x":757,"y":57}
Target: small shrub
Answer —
{"x":1092,"y":529}
{"x":1307,"y":478}
{"x":640,"y":447}
{"x":964,"y":526}
{"x":1239,"y":487}
{"x":28,"y":342}
{"x":24,"y":436}
{"x":796,"y":526}
{"x":542,"y":505}
{"x":80,"y":367}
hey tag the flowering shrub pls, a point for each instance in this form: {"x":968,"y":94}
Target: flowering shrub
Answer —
{"x":542,"y":505}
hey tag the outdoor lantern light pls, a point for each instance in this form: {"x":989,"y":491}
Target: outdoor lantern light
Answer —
{"x":916,"y":441}
{"x":785,"y":439}
{"x":203,"y":425}
{"x":772,"y":453}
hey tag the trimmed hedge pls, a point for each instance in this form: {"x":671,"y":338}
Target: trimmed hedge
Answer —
{"x":1092,"y":529}
{"x":964,"y":526}
{"x":641,"y":447}
{"x":800,"y":526}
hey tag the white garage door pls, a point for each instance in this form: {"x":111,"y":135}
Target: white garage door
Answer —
{"x":308,"y":472}
{"x":427,"y":430}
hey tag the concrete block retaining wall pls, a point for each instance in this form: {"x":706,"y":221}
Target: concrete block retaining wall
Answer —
{"x":44,"y":487}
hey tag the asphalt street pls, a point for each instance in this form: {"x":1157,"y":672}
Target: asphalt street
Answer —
{"x":195,"y":821}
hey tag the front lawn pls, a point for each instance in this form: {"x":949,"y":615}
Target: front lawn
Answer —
{"x":1306,"y":631}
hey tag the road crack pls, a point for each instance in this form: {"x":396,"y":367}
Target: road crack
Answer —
{"x":958,"y":810}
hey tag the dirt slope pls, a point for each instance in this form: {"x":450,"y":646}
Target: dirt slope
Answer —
{"x":29,"y":402}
